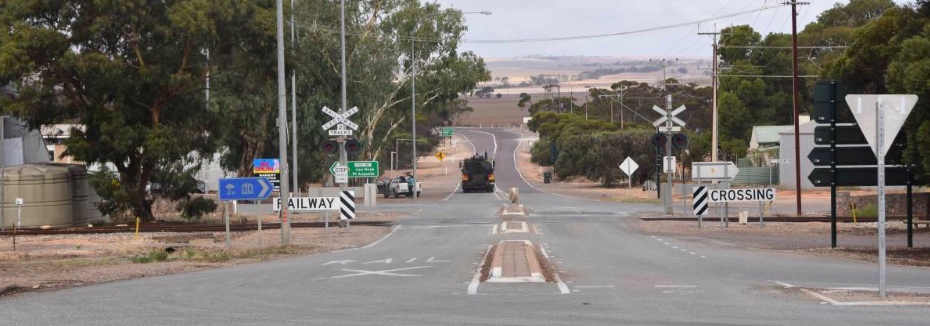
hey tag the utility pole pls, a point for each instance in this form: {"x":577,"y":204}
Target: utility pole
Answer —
{"x":794,"y":78}
{"x":294,"y":103}
{"x":714,"y":141}
{"x":282,"y":130}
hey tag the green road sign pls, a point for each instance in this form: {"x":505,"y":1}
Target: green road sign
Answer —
{"x":447,"y":131}
{"x":359,"y":169}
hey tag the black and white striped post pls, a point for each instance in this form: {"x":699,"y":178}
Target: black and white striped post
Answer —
{"x":347,"y":209}
{"x":700,"y":203}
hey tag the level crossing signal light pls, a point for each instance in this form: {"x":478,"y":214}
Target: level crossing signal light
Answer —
{"x":353,"y":146}
{"x":330,"y":146}
{"x":659,"y":140}
{"x":679,"y":141}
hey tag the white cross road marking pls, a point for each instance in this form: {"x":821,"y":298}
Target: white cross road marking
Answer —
{"x":340,"y":262}
{"x":387,"y":272}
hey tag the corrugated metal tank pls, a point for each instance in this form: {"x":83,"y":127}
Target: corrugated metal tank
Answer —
{"x":85,"y":211}
{"x":46,"y":193}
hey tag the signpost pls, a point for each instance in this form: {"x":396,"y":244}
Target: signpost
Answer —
{"x":714,"y":170}
{"x":668,"y":118}
{"x":629,"y":166}
{"x":358,"y":169}
{"x":881,"y":117}
{"x":242,"y":189}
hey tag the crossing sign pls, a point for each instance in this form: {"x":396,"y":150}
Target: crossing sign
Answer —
{"x":668,"y":116}
{"x":341,"y":121}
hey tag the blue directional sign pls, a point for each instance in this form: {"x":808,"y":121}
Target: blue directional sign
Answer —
{"x":245,"y":188}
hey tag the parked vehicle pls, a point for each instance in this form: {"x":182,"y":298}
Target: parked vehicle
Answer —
{"x":477,"y":173}
{"x":399,"y":187}
{"x":381,"y":184}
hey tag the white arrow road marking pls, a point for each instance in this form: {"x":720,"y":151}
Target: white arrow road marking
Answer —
{"x":340,"y":262}
{"x":387,"y":272}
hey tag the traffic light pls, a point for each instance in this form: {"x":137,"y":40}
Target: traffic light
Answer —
{"x":679,"y":141}
{"x":659,"y":140}
{"x":353,"y":146}
{"x":330,"y":146}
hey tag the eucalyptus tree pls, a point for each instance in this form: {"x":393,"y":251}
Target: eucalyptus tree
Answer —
{"x":131,"y":72}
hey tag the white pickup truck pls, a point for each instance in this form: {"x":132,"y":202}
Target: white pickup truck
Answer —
{"x":399,"y":187}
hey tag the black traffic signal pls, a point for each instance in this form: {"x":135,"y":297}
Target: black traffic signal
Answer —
{"x":680,"y":141}
{"x":659,"y":140}
{"x":329,"y":146}
{"x":353,"y":146}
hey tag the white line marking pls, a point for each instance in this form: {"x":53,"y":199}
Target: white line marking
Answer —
{"x":493,"y":139}
{"x":393,"y":229}
{"x":388,"y":272}
{"x":433,"y":260}
{"x":676,"y":286}
{"x":673,"y":247}
{"x":693,"y":253}
{"x":386,"y":261}
{"x":594,"y":286}
{"x":476,"y":280}
{"x":563,"y":288}
{"x":340,"y":262}
{"x":820,"y":296}
{"x":783,"y":284}
{"x":411,"y":260}
{"x":703,"y":256}
{"x":494,"y":229}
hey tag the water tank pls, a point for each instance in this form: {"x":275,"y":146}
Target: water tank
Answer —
{"x":46,"y":194}
{"x":84,"y":210}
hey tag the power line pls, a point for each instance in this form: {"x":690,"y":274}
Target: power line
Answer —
{"x":651,"y":29}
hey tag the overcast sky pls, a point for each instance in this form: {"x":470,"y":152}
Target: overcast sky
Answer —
{"x":533,"y":19}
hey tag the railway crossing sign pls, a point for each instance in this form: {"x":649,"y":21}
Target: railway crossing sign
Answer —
{"x":666,"y":116}
{"x":341,"y":121}
{"x":345,"y":204}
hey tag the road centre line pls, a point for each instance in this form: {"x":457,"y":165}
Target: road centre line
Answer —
{"x":673,"y":286}
{"x":393,"y":229}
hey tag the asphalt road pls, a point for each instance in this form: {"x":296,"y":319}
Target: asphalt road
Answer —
{"x":421,"y":275}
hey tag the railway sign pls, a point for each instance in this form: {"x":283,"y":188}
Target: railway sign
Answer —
{"x":668,"y":116}
{"x":257,"y":188}
{"x":341,"y":121}
{"x":858,"y":177}
{"x":731,"y":195}
{"x":700,"y":200}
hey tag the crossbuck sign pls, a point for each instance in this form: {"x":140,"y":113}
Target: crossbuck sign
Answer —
{"x":341,"y":121}
{"x":669,"y":117}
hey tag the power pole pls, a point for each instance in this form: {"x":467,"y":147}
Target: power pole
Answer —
{"x":294,"y":103}
{"x":714,"y":140}
{"x":282,"y":130}
{"x":794,"y":78}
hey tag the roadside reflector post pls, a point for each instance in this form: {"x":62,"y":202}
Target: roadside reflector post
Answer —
{"x":137,"y":226}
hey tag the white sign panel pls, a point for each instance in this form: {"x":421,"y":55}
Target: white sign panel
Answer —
{"x":896,"y":106}
{"x":308,"y":204}
{"x":342,"y":174}
{"x":713,"y":170}
{"x":731,"y":195}
{"x":628,"y":166}
{"x":668,"y":164}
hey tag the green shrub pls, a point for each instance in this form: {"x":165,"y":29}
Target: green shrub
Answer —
{"x":196,"y":207}
{"x":154,"y":255}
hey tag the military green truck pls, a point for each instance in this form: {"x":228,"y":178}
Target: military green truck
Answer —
{"x":477,"y":173}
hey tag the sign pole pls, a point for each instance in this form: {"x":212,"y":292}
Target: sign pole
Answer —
{"x":226,"y":221}
{"x":700,"y":216}
{"x":668,"y":151}
{"x":726,"y":205}
{"x":880,"y":151}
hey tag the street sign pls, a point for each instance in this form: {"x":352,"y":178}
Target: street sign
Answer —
{"x":669,"y":129}
{"x":308,"y":204}
{"x":244,"y":188}
{"x":713,"y":170}
{"x":341,"y":173}
{"x":669,"y":164}
{"x":828,"y":98}
{"x":850,"y":155}
{"x":668,"y":116}
{"x":628,"y":166}
{"x":781,"y":161}
{"x":340,"y":119}
{"x":340,"y":131}
{"x":440,"y":155}
{"x":858,"y":177}
{"x":447,"y":131}
{"x":845,"y":135}
{"x":358,"y":169}
{"x":731,"y":195}
{"x":896,"y":106}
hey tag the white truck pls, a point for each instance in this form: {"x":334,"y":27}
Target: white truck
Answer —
{"x":399,"y":187}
